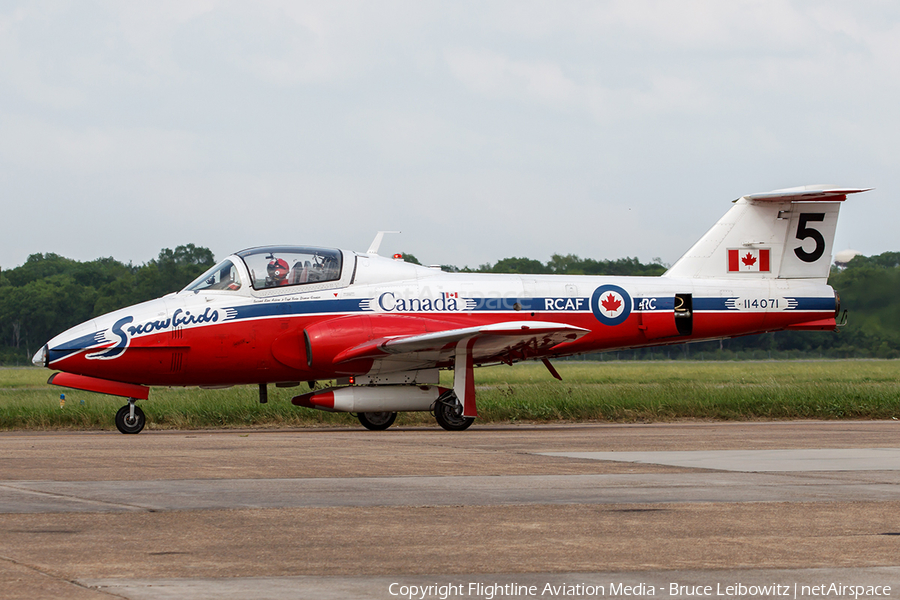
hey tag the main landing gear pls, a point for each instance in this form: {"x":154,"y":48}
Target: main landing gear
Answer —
{"x":448,"y":412}
{"x":376,"y":421}
{"x":130,"y":418}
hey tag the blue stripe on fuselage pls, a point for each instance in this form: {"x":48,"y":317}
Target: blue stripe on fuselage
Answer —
{"x":292,"y":308}
{"x":818,"y":303}
{"x":73,"y":346}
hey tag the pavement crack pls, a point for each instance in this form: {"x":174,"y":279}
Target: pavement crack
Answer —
{"x":55,"y":577}
{"x":22,"y":487}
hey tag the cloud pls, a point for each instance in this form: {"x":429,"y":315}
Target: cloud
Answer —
{"x":498,"y":76}
{"x":31,"y":144}
{"x":498,"y":124}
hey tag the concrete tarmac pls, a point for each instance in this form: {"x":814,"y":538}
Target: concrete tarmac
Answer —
{"x":517,"y":511}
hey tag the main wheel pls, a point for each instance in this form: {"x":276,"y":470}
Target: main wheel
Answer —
{"x":448,"y":413}
{"x":126,"y":424}
{"x":376,"y":421}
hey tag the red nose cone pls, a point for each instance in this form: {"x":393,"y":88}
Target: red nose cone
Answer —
{"x":314,"y":400}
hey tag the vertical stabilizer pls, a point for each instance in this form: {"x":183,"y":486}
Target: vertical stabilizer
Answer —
{"x":785,"y":234}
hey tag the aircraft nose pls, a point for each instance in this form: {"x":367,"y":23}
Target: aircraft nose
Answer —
{"x":40,"y":357}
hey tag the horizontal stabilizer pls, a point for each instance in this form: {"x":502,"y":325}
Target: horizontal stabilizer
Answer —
{"x":829,"y":324}
{"x":807,"y":193}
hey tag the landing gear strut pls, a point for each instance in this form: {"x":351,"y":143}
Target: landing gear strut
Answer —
{"x":130,"y":418}
{"x":448,"y":413}
{"x":376,"y":421}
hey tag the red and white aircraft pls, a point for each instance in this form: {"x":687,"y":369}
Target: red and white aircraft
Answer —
{"x":383,"y":328}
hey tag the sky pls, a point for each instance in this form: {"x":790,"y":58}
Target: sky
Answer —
{"x":480,"y":130}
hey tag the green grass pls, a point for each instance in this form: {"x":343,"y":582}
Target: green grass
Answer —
{"x":662,"y":391}
{"x":590,"y":391}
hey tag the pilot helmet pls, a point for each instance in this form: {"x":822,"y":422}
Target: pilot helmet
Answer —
{"x":278,"y":268}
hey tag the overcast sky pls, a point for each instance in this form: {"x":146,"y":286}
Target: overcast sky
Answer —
{"x":480,"y":130}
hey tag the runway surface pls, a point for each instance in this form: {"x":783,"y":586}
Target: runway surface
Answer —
{"x":617,"y":509}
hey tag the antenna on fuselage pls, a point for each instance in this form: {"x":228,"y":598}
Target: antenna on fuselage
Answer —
{"x":373,"y":247}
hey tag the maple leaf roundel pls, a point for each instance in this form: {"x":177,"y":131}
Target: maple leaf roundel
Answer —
{"x":611,"y":304}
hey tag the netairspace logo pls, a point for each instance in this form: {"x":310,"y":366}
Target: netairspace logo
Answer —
{"x":490,"y":591}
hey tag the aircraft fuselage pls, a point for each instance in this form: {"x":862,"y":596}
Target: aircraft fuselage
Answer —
{"x":234,"y":337}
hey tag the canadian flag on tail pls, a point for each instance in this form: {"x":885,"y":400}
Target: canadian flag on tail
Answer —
{"x":748,"y":260}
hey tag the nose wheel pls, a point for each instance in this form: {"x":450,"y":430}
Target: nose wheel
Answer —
{"x":130,"y":418}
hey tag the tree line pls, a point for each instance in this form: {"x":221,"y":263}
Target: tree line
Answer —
{"x":560,"y":264}
{"x":50,"y":293}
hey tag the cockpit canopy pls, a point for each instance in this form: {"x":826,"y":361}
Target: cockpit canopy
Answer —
{"x":272,"y":267}
{"x":275,"y":266}
{"x":223,"y":276}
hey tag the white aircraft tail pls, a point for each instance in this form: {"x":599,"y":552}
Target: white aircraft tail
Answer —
{"x":785,"y":234}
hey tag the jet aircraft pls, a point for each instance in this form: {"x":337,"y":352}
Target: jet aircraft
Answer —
{"x":383,"y":328}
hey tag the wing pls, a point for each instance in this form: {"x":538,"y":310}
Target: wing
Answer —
{"x":499,"y":342}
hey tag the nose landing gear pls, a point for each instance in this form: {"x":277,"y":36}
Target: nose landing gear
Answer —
{"x":130,"y":418}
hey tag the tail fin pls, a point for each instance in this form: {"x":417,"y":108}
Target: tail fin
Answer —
{"x":784,"y":234}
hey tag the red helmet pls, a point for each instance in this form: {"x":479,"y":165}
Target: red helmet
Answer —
{"x":278,"y":268}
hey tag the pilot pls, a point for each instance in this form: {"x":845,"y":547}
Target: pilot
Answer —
{"x":278,"y":272}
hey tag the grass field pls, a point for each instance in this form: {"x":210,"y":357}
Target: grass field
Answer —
{"x":590,"y":391}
